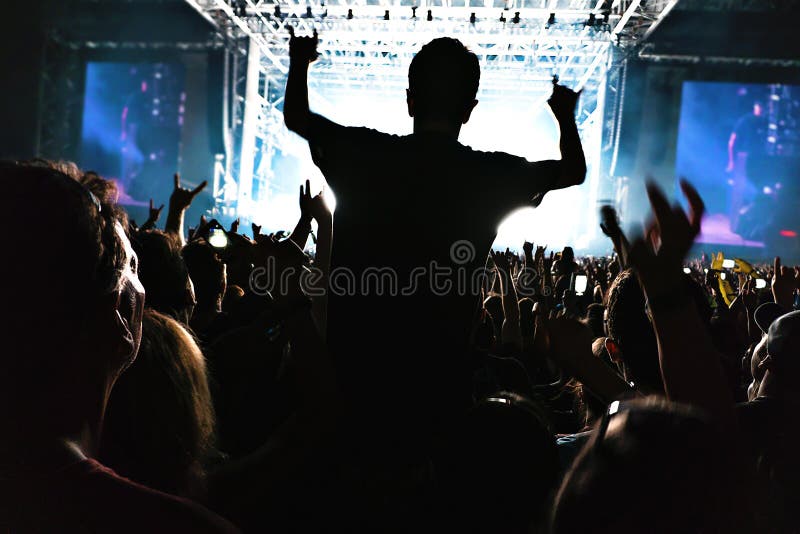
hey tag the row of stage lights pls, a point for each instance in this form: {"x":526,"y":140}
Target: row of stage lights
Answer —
{"x":592,"y":21}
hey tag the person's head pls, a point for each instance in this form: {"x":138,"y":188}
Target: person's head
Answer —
{"x":631,"y":336}
{"x":527,"y":320}
{"x":594,"y":319}
{"x":442,"y":82}
{"x":759,"y":354}
{"x":500,"y":467}
{"x":70,"y":285}
{"x":164,"y":274}
{"x":782,"y":362}
{"x":494,"y":305}
{"x":207,"y":272}
{"x":159,"y":423}
{"x":653,"y":466}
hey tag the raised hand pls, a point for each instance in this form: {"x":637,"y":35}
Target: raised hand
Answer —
{"x":563,"y":102}
{"x":783,"y":285}
{"x":153,"y":215}
{"x":305,"y":202}
{"x":500,"y":260}
{"x":609,"y":222}
{"x":658,"y":261}
{"x":182,"y":198}
{"x":234,"y":226}
{"x":256,"y":228}
{"x":527,"y":247}
{"x":303,"y":49}
{"x":319,"y":209}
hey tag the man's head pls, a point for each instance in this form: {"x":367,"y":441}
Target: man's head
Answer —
{"x":164,"y":274}
{"x":631,"y":336}
{"x":69,"y":282}
{"x":207,"y":272}
{"x":500,"y":466}
{"x":443,"y":82}
{"x":653,"y":466}
{"x":783,"y":350}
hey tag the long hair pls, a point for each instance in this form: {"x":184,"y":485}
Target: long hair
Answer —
{"x":159,"y":427}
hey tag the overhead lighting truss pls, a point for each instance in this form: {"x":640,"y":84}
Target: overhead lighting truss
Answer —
{"x":367,"y":45}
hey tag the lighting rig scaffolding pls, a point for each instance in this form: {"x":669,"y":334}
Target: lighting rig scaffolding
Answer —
{"x":367,"y":45}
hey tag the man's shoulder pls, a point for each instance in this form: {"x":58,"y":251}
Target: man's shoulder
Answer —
{"x":494,"y":156}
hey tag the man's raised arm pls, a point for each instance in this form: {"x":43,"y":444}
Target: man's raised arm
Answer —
{"x":296,"y":113}
{"x":572,"y":167}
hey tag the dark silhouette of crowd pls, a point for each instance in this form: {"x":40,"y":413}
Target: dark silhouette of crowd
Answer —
{"x":211,"y":379}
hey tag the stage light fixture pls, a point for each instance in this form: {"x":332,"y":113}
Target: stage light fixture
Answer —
{"x":309,"y":14}
{"x":277,"y":11}
{"x":552,"y":20}
{"x":503,"y":18}
{"x":430,"y":15}
{"x":413,"y":12}
{"x":592,"y":20}
{"x":386,"y":15}
{"x":472,"y":18}
{"x":515,"y":20}
{"x":349,"y":14}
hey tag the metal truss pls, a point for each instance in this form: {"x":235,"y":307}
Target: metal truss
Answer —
{"x":60,"y":100}
{"x":367,"y":45}
{"x":754,"y":6}
{"x":650,"y":53}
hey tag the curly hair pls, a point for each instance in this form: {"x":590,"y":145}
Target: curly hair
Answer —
{"x":66,"y":253}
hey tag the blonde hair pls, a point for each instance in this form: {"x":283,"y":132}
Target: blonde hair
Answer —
{"x":159,"y":427}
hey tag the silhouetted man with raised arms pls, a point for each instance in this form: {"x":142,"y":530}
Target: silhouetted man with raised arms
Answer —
{"x":418,"y":204}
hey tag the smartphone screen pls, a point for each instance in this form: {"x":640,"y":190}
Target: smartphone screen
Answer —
{"x":217,"y":238}
{"x":580,"y":284}
{"x":761,"y":283}
{"x":728,"y":264}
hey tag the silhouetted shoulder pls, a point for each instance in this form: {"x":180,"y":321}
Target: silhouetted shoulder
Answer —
{"x":336,"y":149}
{"x":515,"y":181}
{"x":89,"y":497}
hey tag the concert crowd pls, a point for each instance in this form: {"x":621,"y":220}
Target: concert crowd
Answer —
{"x":188,"y":377}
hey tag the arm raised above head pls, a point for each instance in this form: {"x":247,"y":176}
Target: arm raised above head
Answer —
{"x":572,"y":168}
{"x":296,"y":112}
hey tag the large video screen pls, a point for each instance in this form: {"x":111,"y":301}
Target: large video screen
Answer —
{"x":740,"y":145}
{"x":132,"y":119}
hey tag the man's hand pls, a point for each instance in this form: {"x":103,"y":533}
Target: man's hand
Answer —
{"x":153,"y":215}
{"x":658,"y":263}
{"x":305,"y":202}
{"x":783,"y":285}
{"x":501,"y":260}
{"x":182,"y":198}
{"x":319,"y":209}
{"x":256,"y":228}
{"x":303,"y":49}
{"x":563,"y":102}
{"x":609,"y":223}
